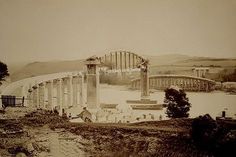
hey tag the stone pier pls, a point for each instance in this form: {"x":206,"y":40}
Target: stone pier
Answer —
{"x":75,"y":90}
{"x":144,"y":75}
{"x":42,"y":95}
{"x":59,"y":96}
{"x":81,"y":89}
{"x":35,"y":95}
{"x":30,"y":96}
{"x":50,"y":105}
{"x":63,"y":90}
{"x":92,"y":82}
{"x":69,"y":91}
{"x":145,"y":102}
{"x":24,"y":93}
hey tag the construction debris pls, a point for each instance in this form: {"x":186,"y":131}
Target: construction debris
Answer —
{"x":42,"y":117}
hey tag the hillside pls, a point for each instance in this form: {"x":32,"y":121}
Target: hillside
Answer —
{"x":184,"y":60}
{"x":222,"y":62}
{"x":157,"y":63}
{"x":41,"y":68}
{"x":166,"y":59}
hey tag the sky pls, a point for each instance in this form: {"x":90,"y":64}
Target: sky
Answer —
{"x":44,"y":30}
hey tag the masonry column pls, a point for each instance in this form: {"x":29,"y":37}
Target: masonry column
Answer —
{"x":50,"y":95}
{"x":35,"y":96}
{"x":75,"y":90}
{"x":45,"y":97}
{"x":81,"y":89}
{"x":42,"y":95}
{"x":30,"y":97}
{"x":144,"y":81}
{"x":63,"y":86}
{"x":69,"y":91}
{"x":92,"y":82}
{"x":24,"y":94}
{"x":198,"y":73}
{"x":194,"y":72}
{"x":204,"y":73}
{"x":38,"y":96}
{"x":59,"y":96}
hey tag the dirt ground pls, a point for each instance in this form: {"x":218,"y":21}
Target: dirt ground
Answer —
{"x":24,"y":132}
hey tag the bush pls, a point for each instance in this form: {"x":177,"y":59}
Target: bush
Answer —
{"x":204,"y":131}
{"x":216,"y":137}
{"x":227,"y":144}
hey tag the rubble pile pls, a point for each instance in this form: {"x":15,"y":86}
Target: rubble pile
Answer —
{"x":41,"y":118}
{"x":177,"y":123}
{"x":10,"y":127}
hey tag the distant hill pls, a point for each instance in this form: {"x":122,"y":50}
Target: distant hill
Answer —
{"x":200,"y":61}
{"x":40,"y":68}
{"x":13,"y":67}
{"x":184,"y":60}
{"x":166,"y":59}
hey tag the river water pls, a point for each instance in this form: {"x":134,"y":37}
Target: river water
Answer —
{"x":212,"y":103}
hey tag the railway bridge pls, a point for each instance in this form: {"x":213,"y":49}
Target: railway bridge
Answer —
{"x":64,"y":90}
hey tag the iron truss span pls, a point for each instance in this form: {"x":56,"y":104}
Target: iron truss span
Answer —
{"x":188,"y":83}
{"x":121,"y":60}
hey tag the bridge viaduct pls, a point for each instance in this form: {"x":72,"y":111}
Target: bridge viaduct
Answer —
{"x":62,"y":91}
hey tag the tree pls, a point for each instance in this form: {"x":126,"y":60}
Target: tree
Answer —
{"x":176,"y":102}
{"x":3,"y":72}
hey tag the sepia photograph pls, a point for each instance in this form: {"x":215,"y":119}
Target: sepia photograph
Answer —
{"x":117,"y":78}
